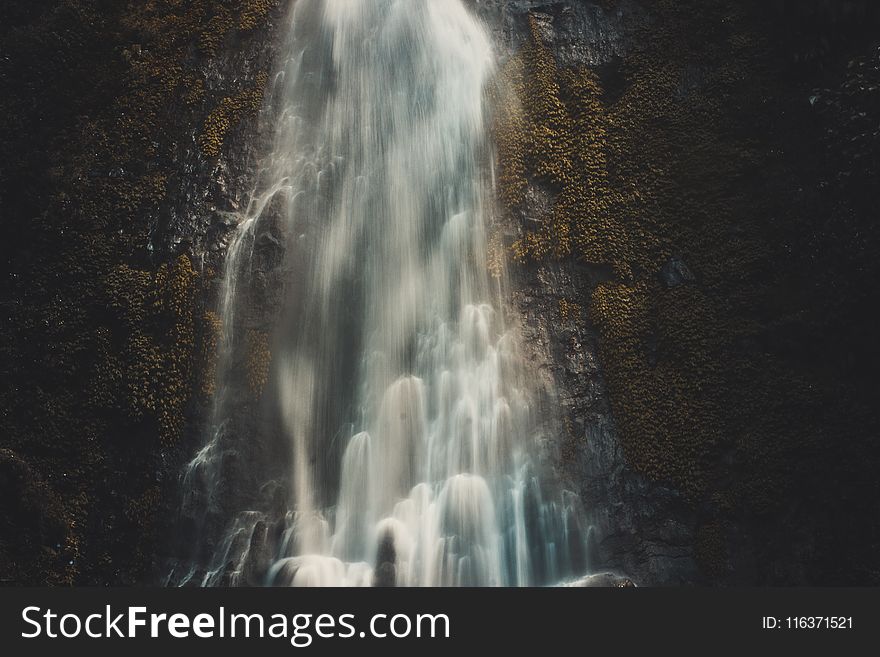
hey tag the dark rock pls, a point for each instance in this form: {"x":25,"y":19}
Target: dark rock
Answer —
{"x":579,"y":33}
{"x":676,"y":272}
{"x":258,"y":558}
{"x":194,"y":581}
{"x":385,"y":574}
{"x":636,"y":526}
{"x":227,"y":220}
{"x":34,"y":515}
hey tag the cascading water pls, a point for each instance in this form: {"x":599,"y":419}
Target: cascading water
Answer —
{"x":415,"y":453}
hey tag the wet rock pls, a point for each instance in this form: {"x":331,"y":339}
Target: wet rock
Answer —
{"x":257,"y":561}
{"x":603,"y":580}
{"x":195,"y":580}
{"x":676,"y":272}
{"x":637,"y":526}
{"x":223,"y":219}
{"x":385,"y":575}
{"x":579,"y":33}
{"x":284,"y":573}
{"x":386,"y":572}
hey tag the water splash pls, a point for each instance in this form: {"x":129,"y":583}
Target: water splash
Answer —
{"x":403,"y":395}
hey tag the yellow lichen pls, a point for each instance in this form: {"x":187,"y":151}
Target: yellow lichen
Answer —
{"x":228,"y":113}
{"x":569,"y":310}
{"x":253,"y":13}
{"x":259,"y":358}
{"x":211,"y":335}
{"x":156,"y":366}
{"x":496,"y":255}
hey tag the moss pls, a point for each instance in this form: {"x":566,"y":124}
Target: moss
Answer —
{"x":690,"y":157}
{"x":496,"y":256}
{"x":259,"y":358}
{"x":569,"y":310}
{"x":554,"y":130}
{"x":211,"y":327}
{"x":216,"y":29}
{"x":253,"y":13}
{"x":144,"y":507}
{"x":228,"y":113}
{"x":509,"y":133}
{"x":104,"y":334}
{"x":576,"y":144}
{"x":195,"y":90}
{"x":156,"y":313}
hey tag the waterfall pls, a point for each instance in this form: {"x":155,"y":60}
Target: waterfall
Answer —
{"x":396,"y":382}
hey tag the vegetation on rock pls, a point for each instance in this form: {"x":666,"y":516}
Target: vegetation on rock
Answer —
{"x":105,"y":338}
{"x":738,"y":384}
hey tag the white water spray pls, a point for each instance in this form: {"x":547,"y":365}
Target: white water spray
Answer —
{"x":403,"y":395}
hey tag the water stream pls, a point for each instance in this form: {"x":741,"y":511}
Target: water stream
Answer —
{"x":399,"y":384}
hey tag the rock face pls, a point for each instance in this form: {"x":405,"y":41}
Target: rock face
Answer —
{"x":126,"y":129}
{"x":211,"y":193}
{"x":638,"y":527}
{"x":675,"y":272}
{"x":214,"y":164}
{"x":698,"y":444}
{"x":34,"y":516}
{"x":582,"y":33}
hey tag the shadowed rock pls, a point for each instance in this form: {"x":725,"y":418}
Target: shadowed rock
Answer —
{"x":386,"y":571}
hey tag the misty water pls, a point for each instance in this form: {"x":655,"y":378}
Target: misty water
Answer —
{"x":414,"y":442}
